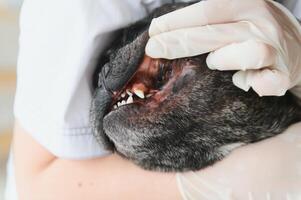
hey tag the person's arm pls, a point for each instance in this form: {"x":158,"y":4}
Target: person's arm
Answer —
{"x":40,"y":175}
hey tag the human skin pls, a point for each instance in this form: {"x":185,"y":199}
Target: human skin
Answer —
{"x":41,"y":175}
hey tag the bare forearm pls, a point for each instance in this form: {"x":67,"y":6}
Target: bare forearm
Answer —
{"x":40,"y":175}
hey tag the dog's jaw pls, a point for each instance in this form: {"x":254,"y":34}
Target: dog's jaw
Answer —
{"x":196,"y":120}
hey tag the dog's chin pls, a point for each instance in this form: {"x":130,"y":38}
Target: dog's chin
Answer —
{"x":156,"y":140}
{"x":128,"y":128}
{"x":126,"y":125}
{"x":121,"y":127}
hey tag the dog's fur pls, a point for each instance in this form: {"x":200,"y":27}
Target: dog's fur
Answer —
{"x":201,"y":120}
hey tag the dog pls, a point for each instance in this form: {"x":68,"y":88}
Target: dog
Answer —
{"x":176,"y":115}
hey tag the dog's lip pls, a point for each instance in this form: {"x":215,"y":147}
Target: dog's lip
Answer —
{"x":140,"y":86}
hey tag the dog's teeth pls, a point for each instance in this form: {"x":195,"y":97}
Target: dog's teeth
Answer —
{"x":115,"y":106}
{"x":129,"y":93}
{"x":139,"y":93}
{"x":119,"y":104}
{"x":129,"y":100}
{"x":149,"y":95}
{"x":123,"y":95}
{"x":123,"y":102}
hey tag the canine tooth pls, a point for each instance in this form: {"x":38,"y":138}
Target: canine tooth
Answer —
{"x":129,"y":100}
{"x":119,"y":104}
{"x":115,"y":106}
{"x":123,"y":95}
{"x":123,"y":102}
{"x":149,"y":95}
{"x":139,"y":93}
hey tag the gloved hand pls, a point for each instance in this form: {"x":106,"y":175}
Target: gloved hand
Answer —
{"x":267,"y":170}
{"x":261,"y":39}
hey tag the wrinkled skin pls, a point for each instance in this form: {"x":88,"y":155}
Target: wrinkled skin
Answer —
{"x":195,"y":117}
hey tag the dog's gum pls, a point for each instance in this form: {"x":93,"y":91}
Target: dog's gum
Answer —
{"x":145,"y":77}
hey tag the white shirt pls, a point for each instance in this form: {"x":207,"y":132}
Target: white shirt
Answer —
{"x":60,"y":41}
{"x":54,"y":75}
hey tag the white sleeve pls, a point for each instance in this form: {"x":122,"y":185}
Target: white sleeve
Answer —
{"x":59,"y":44}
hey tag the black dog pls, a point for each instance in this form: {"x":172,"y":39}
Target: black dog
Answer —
{"x":181,"y":115}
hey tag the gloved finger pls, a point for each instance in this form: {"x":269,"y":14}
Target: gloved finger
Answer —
{"x":197,"y":40}
{"x":203,"y":13}
{"x":206,"y":189}
{"x":249,"y":54}
{"x":238,"y":176}
{"x":265,"y":82}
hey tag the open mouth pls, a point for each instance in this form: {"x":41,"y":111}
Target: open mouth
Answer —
{"x":152,"y":83}
{"x":149,"y":84}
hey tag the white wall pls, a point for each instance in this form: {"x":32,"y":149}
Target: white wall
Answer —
{"x":9,"y":44}
{"x":13,"y":3}
{"x":9,"y":31}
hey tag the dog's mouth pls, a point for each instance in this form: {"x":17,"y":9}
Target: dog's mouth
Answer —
{"x":150,"y":85}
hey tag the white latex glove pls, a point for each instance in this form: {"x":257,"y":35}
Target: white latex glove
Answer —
{"x":267,"y":170}
{"x":261,"y":39}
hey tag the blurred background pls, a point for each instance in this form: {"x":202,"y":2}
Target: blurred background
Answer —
{"x":9,"y":14}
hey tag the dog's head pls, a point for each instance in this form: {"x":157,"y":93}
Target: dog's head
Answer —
{"x":178,"y":114}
